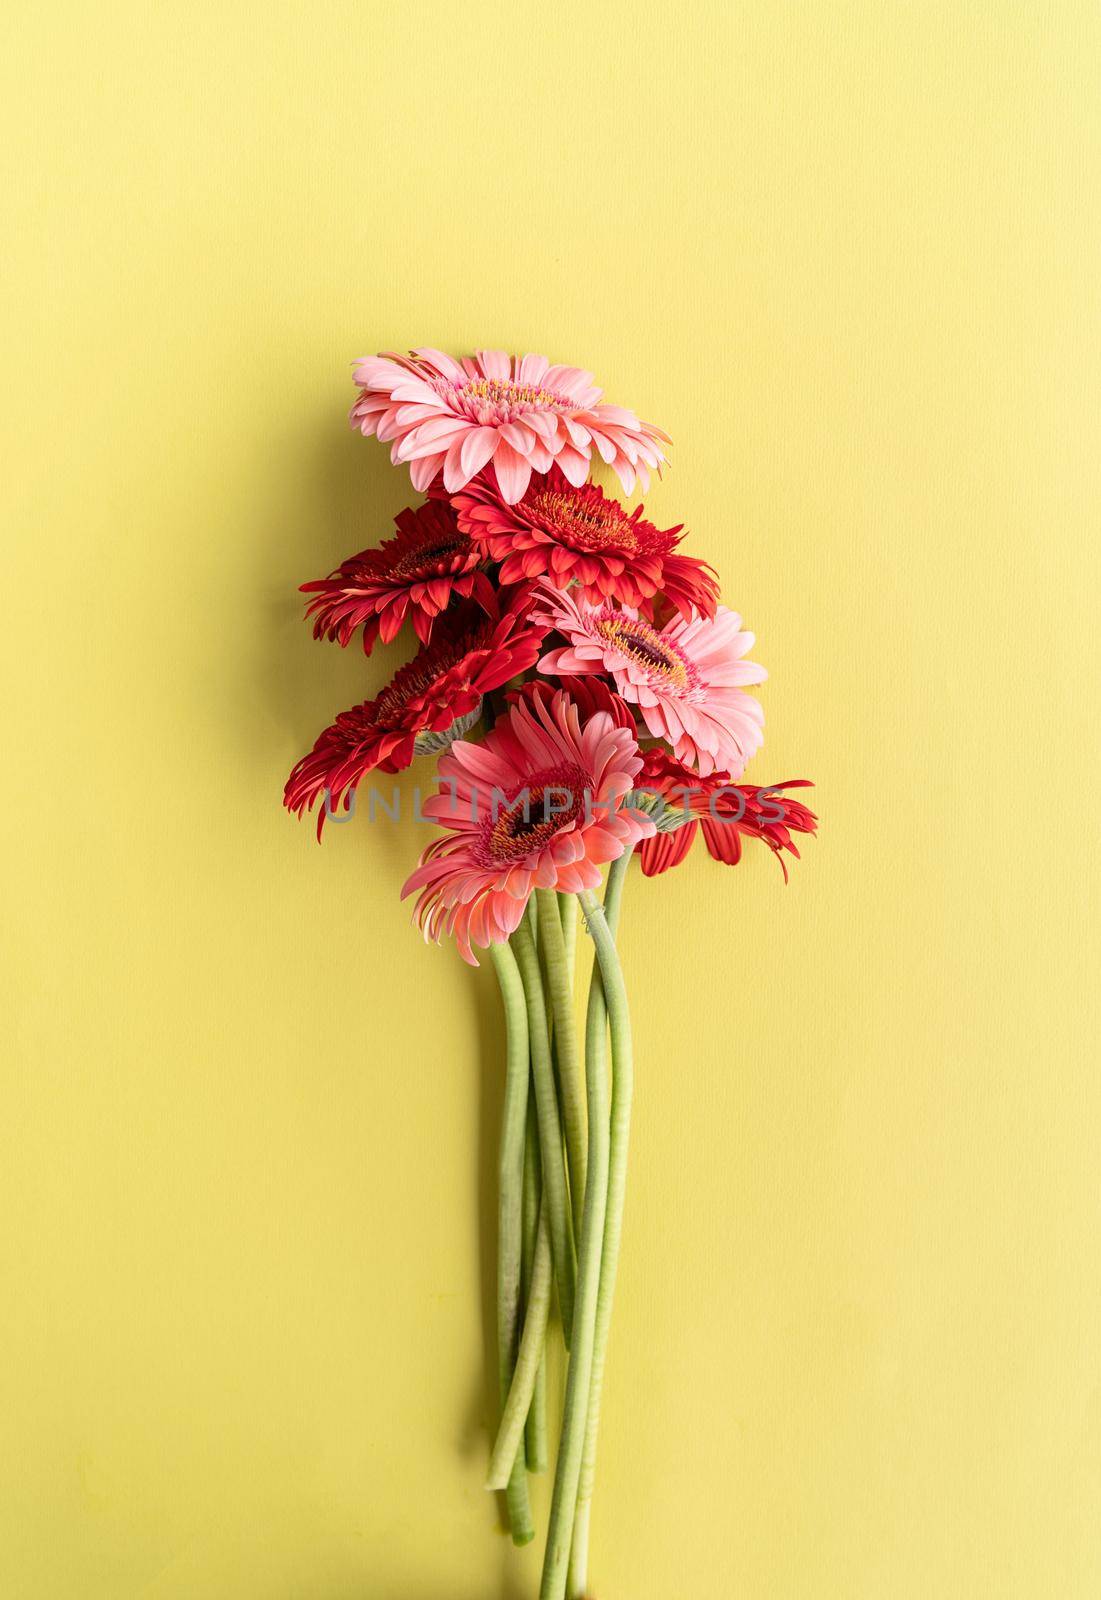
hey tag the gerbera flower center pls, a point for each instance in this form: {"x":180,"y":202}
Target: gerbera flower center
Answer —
{"x":427,"y":667}
{"x":549,"y":802}
{"x":647,"y":648}
{"x":424,"y":562}
{"x":587,"y":521}
{"x":487,"y":400}
{"x":503,"y":392}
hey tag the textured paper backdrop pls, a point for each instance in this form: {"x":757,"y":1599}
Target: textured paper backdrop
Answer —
{"x":847,"y":255}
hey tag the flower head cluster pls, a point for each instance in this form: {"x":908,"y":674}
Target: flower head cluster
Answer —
{"x":611,"y":686}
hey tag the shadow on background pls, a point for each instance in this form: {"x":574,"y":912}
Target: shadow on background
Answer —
{"x":344,"y":500}
{"x":348,"y":497}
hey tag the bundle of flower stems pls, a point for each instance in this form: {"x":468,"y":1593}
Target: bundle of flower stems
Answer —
{"x":563,"y":1172}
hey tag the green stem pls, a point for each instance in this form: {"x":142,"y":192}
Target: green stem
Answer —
{"x":613,"y":897}
{"x":550,"y":1129}
{"x":575,"y":1417}
{"x":567,"y":910}
{"x":535,"y":1436}
{"x":510,"y":1216}
{"x":528,"y":1361}
{"x":552,"y":945}
{"x":606,"y":993}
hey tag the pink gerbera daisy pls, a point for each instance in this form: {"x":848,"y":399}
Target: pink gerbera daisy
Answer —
{"x":521,"y":413}
{"x":579,"y":535}
{"x":687,"y":678}
{"x":538,"y":805}
{"x":417,"y":573}
{"x":471,"y":653}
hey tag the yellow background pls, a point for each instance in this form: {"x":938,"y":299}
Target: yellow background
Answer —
{"x":847,"y":255}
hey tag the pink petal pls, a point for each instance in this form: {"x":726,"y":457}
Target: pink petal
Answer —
{"x":415,"y":390}
{"x":513,"y":472}
{"x":532,"y":370}
{"x":431,"y":437}
{"x":453,"y":475}
{"x":625,"y":473}
{"x":617,"y":416}
{"x":495,"y":364}
{"x":568,"y":381}
{"x":520,"y":438}
{"x":478,"y":447}
{"x":422,"y":472}
{"x":412,"y":415}
{"x":376,"y":372}
{"x":605,"y":446}
{"x":387,"y":426}
{"x":446,"y":365}
{"x":574,"y":465}
{"x":544,"y":423}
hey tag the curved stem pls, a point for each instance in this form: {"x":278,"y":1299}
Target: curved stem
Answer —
{"x":606,"y":993}
{"x":528,"y":1361}
{"x":550,"y":1129}
{"x":613,"y":898}
{"x":510,"y":1216}
{"x":535,"y":1433}
{"x":575,"y":1417}
{"x":552,"y":945}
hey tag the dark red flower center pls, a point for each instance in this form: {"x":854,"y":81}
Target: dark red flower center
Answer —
{"x":585,"y":520}
{"x":428,"y":560}
{"x":551,"y":801}
{"x":419,"y":676}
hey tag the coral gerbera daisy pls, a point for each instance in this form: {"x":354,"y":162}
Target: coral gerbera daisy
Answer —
{"x":687,"y":678}
{"x":471,"y":652}
{"x":577,"y":534}
{"x":724,"y":812}
{"x":441,"y":415}
{"x":538,"y":804}
{"x":417,"y":573}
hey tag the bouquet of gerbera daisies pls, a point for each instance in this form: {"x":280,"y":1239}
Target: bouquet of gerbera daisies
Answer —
{"x":585,"y":696}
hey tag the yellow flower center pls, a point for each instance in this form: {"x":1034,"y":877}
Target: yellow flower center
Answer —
{"x":647,"y":648}
{"x":503,"y":392}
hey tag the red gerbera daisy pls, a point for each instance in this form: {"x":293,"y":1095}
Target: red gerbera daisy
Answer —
{"x":589,"y":695}
{"x":471,"y":653}
{"x":580,"y":535}
{"x":687,"y":584}
{"x":417,"y":573}
{"x":726,"y":813}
